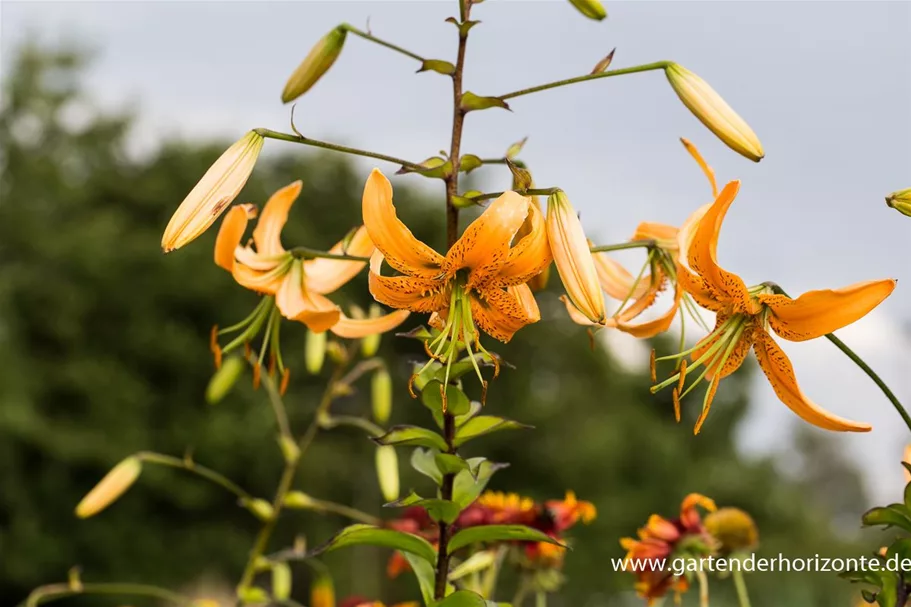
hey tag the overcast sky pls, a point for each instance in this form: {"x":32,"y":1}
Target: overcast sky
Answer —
{"x":825,"y":85}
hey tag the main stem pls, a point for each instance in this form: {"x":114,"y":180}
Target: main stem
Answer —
{"x":452,"y":234}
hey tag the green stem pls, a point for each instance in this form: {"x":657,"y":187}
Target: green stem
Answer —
{"x":742,"y":597}
{"x":703,"y":588}
{"x":633,"y":244}
{"x":270,"y":134}
{"x":375,"y":40}
{"x":860,"y":363}
{"x":190,"y":466}
{"x":334,"y":421}
{"x":54,"y":592}
{"x":540,"y":599}
{"x":308,"y":253}
{"x":346,"y":511}
{"x":278,"y":406}
{"x":658,"y":65}
{"x":530,"y":192}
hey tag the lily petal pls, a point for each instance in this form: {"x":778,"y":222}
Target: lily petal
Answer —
{"x":817,"y":313}
{"x":649,"y":230}
{"x":531,"y":254}
{"x":399,"y":246}
{"x":703,"y":254}
{"x":501,"y":313}
{"x":780,"y":373}
{"x":736,"y":357}
{"x":484,"y":247}
{"x":698,"y":289}
{"x":616,"y":281}
{"x":230,"y":234}
{"x":651,"y":328}
{"x":262,"y":281}
{"x":406,"y":292}
{"x":294,"y":301}
{"x":688,"y":230}
{"x":351,"y":328}
{"x":575,"y":315}
{"x":267,"y":234}
{"x":709,"y":172}
{"x":326,"y":275}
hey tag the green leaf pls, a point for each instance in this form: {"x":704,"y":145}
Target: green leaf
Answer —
{"x":424,"y":461}
{"x":435,"y":167}
{"x":370,"y":535}
{"x":464,"y":366}
{"x":469,"y":484}
{"x":896,"y":515}
{"x":498,"y":533}
{"x":464,"y":27}
{"x":900,"y":548}
{"x":908,"y":495}
{"x":446,"y":463}
{"x":456,"y":401}
{"x":463,"y":598}
{"x":513,"y":150}
{"x":473,"y":410}
{"x":472,"y":102}
{"x":426,"y":575}
{"x":484,"y":424}
{"x":437,"y":509}
{"x":411,"y":436}
{"x":437,"y":65}
{"x":469,"y":162}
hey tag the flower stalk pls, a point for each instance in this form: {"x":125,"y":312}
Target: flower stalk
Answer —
{"x":270,"y":134}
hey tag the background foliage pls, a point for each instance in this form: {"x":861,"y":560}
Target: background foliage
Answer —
{"x":103,"y":352}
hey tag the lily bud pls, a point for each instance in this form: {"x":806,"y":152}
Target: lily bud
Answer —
{"x":260,"y":508}
{"x":298,"y":500}
{"x":322,"y":591}
{"x":371,"y":343}
{"x":215,"y":191}
{"x":900,"y":201}
{"x":593,"y":9}
{"x":714,"y":112}
{"x":315,"y":64}
{"x":381,"y":392}
{"x":224,"y":379}
{"x":387,"y":472}
{"x":109,"y":489}
{"x":573,"y":258}
{"x":315,"y":352}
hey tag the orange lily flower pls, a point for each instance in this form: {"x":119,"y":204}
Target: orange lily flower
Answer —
{"x":296,"y":285}
{"x":481,"y":279}
{"x":745,"y":315}
{"x":659,"y":539}
{"x":641,"y":292}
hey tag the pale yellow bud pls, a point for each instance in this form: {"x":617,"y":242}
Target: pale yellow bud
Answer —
{"x":714,"y":112}
{"x":224,"y":379}
{"x":315,"y":64}
{"x":215,"y":191}
{"x":315,"y":351}
{"x":593,"y":9}
{"x":900,"y":201}
{"x":387,"y":472}
{"x":114,"y":484}
{"x":381,"y":392}
{"x":573,"y":258}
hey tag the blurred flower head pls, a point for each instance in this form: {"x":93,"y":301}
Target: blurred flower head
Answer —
{"x":734,"y":529}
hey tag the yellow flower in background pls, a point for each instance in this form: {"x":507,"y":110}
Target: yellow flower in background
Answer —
{"x":734,"y":529}
{"x":745,"y":315}
{"x":481,"y":279}
{"x":714,"y":112}
{"x":215,"y":191}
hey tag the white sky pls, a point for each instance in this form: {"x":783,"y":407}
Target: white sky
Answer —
{"x":825,"y":85}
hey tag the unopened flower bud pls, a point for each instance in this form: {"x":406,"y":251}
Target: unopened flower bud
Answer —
{"x":215,"y":191}
{"x":381,"y":392}
{"x":593,"y":9}
{"x":109,"y":489}
{"x":224,"y":379}
{"x":733,"y":528}
{"x":387,"y":472}
{"x":260,"y":508}
{"x":315,"y":64}
{"x":322,"y":591}
{"x":371,"y":343}
{"x":315,"y":351}
{"x":573,"y":258}
{"x":336,"y":353}
{"x":298,"y":499}
{"x":281,"y":581}
{"x":900,"y":201}
{"x":714,"y":112}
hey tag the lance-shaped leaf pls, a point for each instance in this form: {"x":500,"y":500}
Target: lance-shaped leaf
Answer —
{"x":411,"y":436}
{"x":434,"y":167}
{"x":447,"y":463}
{"x":437,"y":65}
{"x":513,"y":150}
{"x":472,"y":102}
{"x":480,"y":425}
{"x":464,"y":26}
{"x":466,"y":598}
{"x":469,"y":483}
{"x":499,"y":533}
{"x":369,"y":535}
{"x":426,"y":575}
{"x":894,"y":515}
{"x":424,"y":461}
{"x":432,"y":397}
{"x":438,"y":509}
{"x":469,"y":162}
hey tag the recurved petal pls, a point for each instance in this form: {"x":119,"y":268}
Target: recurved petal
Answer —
{"x":689,"y":516}
{"x":703,"y":254}
{"x":650,"y":328}
{"x":780,"y":373}
{"x":736,"y":357}
{"x":399,"y":246}
{"x":262,"y":281}
{"x":649,"y":230}
{"x":500,"y":313}
{"x":688,"y":230}
{"x":484,"y":247}
{"x":575,"y":315}
{"x":295,"y":302}
{"x":326,"y":275}
{"x":230,"y":234}
{"x":573,"y":258}
{"x":698,"y":289}
{"x":407,"y":292}
{"x":352,"y":328}
{"x":709,"y":172}
{"x":531,"y":254}
{"x":616,"y":281}
{"x":267,"y":234}
{"x":816,"y":313}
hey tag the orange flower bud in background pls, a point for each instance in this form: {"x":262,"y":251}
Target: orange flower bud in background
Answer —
{"x":714,"y":112}
{"x":315,"y":64}
{"x":215,"y":191}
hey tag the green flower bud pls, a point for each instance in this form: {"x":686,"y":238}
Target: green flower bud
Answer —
{"x":224,"y":379}
{"x":260,"y":508}
{"x":315,"y":64}
{"x":387,"y":471}
{"x":298,"y":500}
{"x":381,"y":392}
{"x":900,"y":201}
{"x":593,"y":9}
{"x":315,"y":352}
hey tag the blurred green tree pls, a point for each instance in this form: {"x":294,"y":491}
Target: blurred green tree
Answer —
{"x":104,"y":352}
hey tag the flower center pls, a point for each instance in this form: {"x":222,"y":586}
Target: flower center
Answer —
{"x":265,"y":314}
